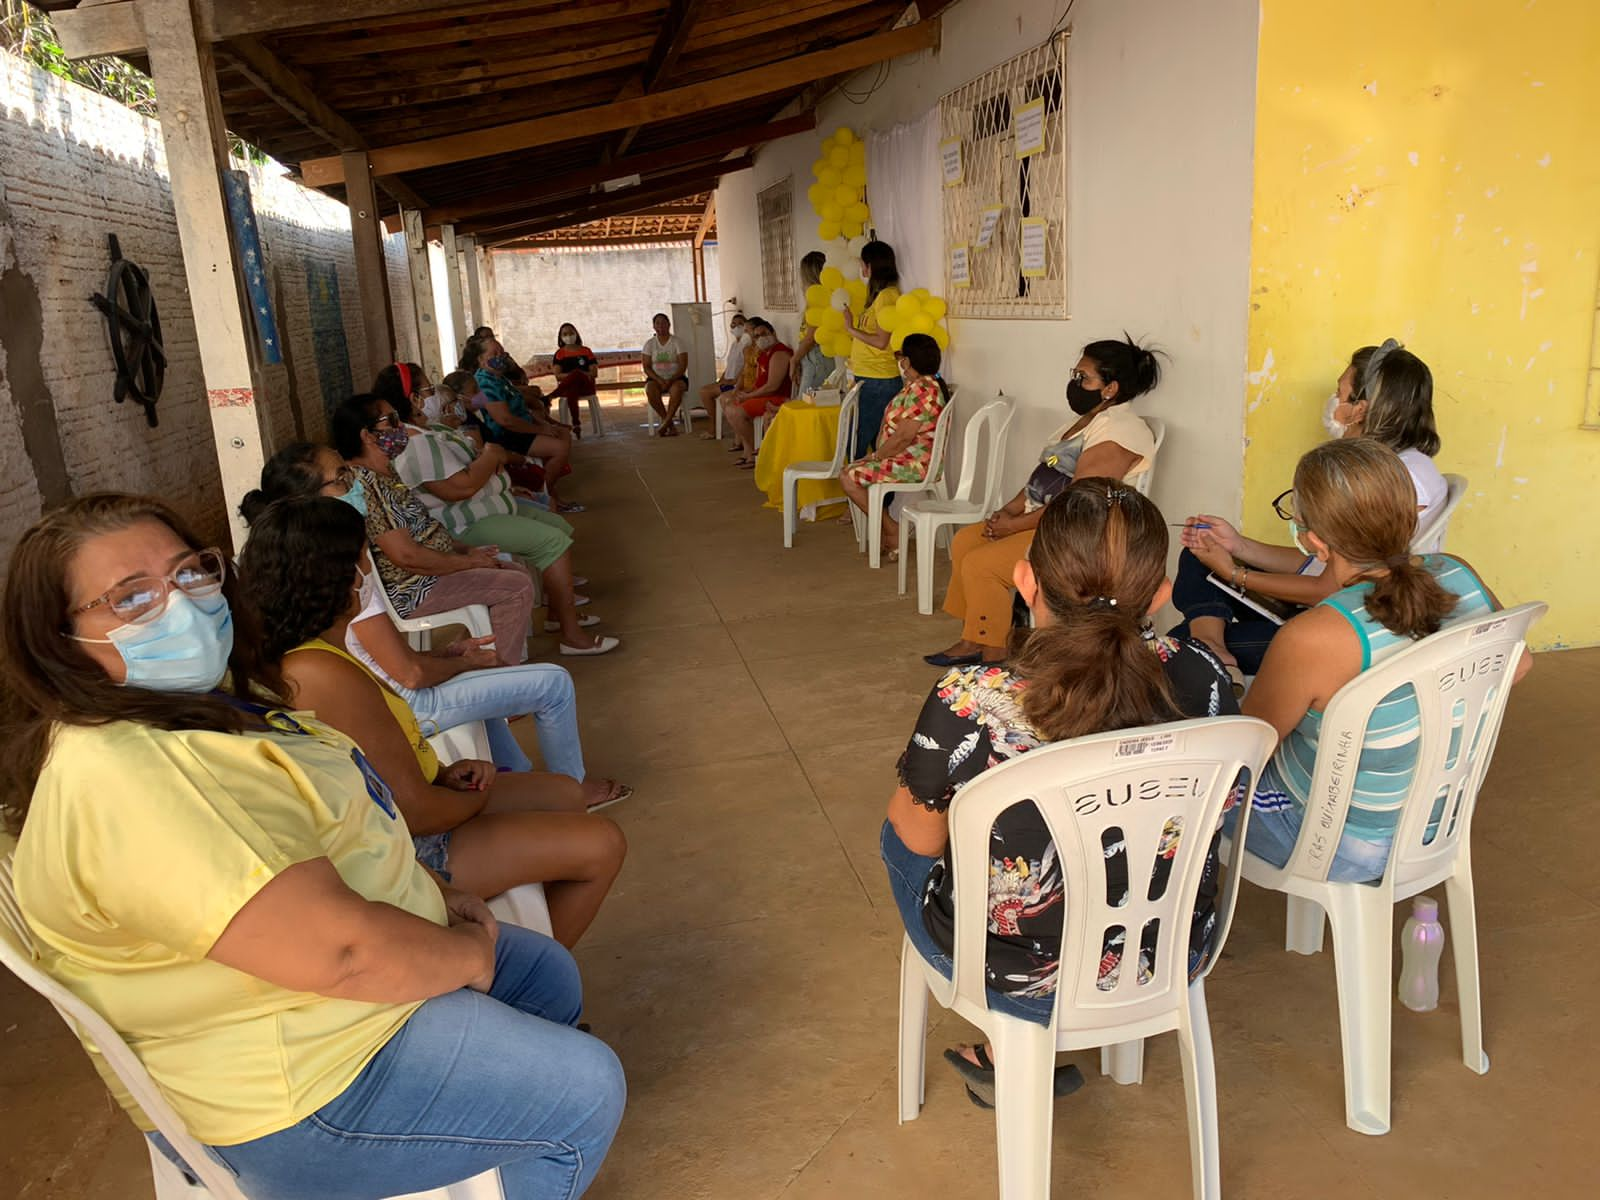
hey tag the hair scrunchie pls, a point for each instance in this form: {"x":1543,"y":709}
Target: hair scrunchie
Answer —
{"x":1370,"y":375}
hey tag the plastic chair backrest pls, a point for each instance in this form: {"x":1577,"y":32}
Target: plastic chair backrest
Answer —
{"x":1158,"y":430}
{"x":1097,"y":793}
{"x":994,"y":418}
{"x":849,"y":414}
{"x":18,"y":954}
{"x":1429,"y":538}
{"x":941,"y":439}
{"x":1461,"y":677}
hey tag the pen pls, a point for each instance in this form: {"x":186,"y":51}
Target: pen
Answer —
{"x":1186,"y":525}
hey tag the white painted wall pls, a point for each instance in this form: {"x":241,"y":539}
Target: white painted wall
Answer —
{"x":1161,"y":97}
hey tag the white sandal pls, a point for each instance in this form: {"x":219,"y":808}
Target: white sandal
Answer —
{"x":583,"y":623}
{"x":604,"y":646}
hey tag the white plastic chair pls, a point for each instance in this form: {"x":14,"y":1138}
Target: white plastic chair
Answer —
{"x":1429,"y":538}
{"x":1145,"y":481}
{"x":923,"y":520}
{"x":18,"y":954}
{"x":870,"y":537}
{"x":795,"y":472}
{"x":419,"y":629}
{"x":1082,"y":789}
{"x":1462,"y":675}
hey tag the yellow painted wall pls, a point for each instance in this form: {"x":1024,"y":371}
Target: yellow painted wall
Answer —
{"x":1430,"y":170}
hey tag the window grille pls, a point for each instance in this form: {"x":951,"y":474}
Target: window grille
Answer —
{"x":774,"y":209}
{"x":984,"y":117}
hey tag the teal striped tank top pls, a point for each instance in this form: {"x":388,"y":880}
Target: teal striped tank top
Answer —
{"x":1389,"y":750}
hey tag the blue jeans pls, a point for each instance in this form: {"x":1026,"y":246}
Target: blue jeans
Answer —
{"x":1246,"y":632}
{"x":908,"y":881}
{"x":471,"y":1082}
{"x":543,"y":690}
{"x":872,"y":401}
{"x":1272,"y":837}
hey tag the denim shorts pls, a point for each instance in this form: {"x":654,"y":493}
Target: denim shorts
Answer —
{"x":433,"y":852}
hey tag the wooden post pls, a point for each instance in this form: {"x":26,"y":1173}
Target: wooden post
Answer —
{"x":699,"y":271}
{"x":196,"y":144}
{"x":422,"y":295}
{"x":372,"y":274}
{"x":467,"y":250}
{"x":458,"y":305}
{"x":491,"y":297}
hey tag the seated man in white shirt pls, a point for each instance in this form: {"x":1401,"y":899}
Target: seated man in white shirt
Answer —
{"x":666,"y":374}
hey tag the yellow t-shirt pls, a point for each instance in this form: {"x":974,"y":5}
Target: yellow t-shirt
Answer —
{"x":398,"y":708}
{"x":868,"y":362}
{"x":141,"y":844}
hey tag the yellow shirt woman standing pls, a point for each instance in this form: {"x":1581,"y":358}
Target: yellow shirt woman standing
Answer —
{"x":872,"y":362}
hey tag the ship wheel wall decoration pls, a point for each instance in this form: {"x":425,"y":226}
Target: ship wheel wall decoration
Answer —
{"x":134,"y":327}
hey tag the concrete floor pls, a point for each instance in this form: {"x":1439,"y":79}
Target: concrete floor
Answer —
{"x":745,"y":966}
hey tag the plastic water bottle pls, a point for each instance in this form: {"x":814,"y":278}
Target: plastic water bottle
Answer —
{"x":1421,"y":943}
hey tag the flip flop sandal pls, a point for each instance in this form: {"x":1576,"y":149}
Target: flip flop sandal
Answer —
{"x":623,"y":793}
{"x":748,"y":464}
{"x":570,"y":508}
{"x":980,"y":1076}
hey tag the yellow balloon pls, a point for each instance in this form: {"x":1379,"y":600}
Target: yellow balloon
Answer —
{"x":828,"y":231}
{"x":831,"y":212}
{"x":856,"y":212}
{"x":818,"y":195}
{"x":814,"y":314}
{"x":852,"y":229}
{"x":942,"y":336}
{"x":816,"y":296}
{"x":935,"y":307}
{"x":831,"y":319}
{"x":897,"y":339}
{"x":843,"y":136}
{"x":832,"y":277}
{"x":839,"y":157}
{"x":908,"y":305}
{"x":818,"y":167}
{"x":921,"y":323}
{"x":923,"y":295}
{"x":858,"y":292}
{"x":844,"y":194}
{"x":888,"y":317}
{"x":855,"y":175}
{"x":830,"y":177}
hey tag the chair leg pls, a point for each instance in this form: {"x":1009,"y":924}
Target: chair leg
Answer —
{"x":1303,"y":925}
{"x":1362,"y":920}
{"x":913,"y":1032}
{"x":874,"y":529}
{"x":1200,"y":1090}
{"x":1123,"y":1061}
{"x":907,"y":531}
{"x":1024,"y":1095}
{"x":927,"y":548}
{"x":791,"y":499}
{"x":1464,"y":948}
{"x":594,"y":415}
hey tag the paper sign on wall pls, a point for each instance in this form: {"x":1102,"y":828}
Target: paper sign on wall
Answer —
{"x":960,"y":266}
{"x":1028,"y":128}
{"x":1033,"y":246}
{"x":988,"y":221}
{"x":950,"y":161}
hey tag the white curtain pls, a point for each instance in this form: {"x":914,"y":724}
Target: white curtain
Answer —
{"x":903,"y":190}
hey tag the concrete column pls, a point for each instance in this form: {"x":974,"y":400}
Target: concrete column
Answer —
{"x":372,"y":275}
{"x":467,"y":250}
{"x":422,"y":295}
{"x":195,"y":138}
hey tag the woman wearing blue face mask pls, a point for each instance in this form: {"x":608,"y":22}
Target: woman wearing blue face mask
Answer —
{"x":231,"y":887}
{"x":509,"y":420}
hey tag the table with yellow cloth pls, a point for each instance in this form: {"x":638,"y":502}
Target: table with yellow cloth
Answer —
{"x":800,"y":432}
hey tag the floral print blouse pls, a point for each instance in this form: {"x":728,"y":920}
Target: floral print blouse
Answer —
{"x":973,"y":720}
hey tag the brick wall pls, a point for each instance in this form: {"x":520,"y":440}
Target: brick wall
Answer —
{"x":610,"y":295}
{"x":74,"y":167}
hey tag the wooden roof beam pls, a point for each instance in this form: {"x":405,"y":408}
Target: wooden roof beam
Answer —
{"x":530,"y":243}
{"x":664,"y":55}
{"x":644,"y":110}
{"x":688,"y":153}
{"x":113,"y":28}
{"x":708,"y":221}
{"x":291,"y":93}
{"x":582,"y":210}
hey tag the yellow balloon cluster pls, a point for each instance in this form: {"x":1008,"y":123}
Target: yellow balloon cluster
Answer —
{"x":917,"y":311}
{"x":826,"y":304}
{"x":839,"y":196}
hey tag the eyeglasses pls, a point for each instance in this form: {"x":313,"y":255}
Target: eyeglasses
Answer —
{"x":387,"y":421}
{"x":1080,"y":376}
{"x":1284,"y":504}
{"x":342,"y":480}
{"x":143,"y":597}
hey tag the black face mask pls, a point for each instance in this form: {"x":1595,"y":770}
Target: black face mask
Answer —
{"x":1081,"y":400}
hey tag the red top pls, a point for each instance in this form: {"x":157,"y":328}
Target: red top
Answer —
{"x":763,"y":363}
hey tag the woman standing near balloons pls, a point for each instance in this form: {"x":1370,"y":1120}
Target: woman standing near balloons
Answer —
{"x":872,"y":362}
{"x":811,"y":363}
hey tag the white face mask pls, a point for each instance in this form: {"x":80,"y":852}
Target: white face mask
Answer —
{"x":738,"y":331}
{"x":432,"y":406}
{"x":766,"y":341}
{"x":569,"y":339}
{"x":1335,"y":427}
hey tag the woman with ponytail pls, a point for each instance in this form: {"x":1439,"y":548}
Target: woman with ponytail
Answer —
{"x":1094,"y":574}
{"x":1104,"y":438}
{"x":1353,"y":508}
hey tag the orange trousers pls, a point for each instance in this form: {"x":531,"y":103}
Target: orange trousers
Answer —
{"x":980,"y":583}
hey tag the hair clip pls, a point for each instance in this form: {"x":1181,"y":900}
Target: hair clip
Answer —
{"x":1102,"y":602}
{"x":1371,"y":373}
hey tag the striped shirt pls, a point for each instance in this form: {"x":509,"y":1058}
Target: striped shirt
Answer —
{"x":432,"y":455}
{"x":1388,"y":759}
